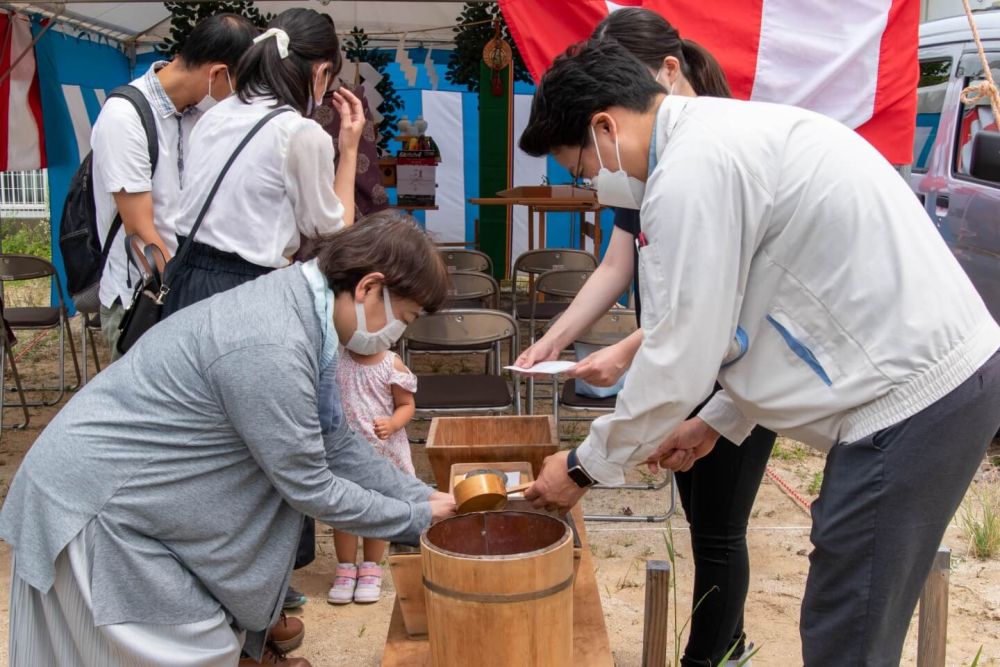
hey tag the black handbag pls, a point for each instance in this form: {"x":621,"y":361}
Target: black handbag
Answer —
{"x":146,"y":307}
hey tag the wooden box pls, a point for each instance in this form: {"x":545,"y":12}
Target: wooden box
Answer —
{"x":454,"y":440}
{"x":407,"y":577}
{"x":571,"y":192}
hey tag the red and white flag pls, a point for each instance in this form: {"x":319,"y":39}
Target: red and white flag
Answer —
{"x":22,"y":144}
{"x":855,"y":61}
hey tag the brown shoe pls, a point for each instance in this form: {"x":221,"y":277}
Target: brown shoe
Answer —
{"x":274,"y":656}
{"x":288,"y":633}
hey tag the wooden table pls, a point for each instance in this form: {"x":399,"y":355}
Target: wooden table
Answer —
{"x":591,"y":647}
{"x":550,"y":199}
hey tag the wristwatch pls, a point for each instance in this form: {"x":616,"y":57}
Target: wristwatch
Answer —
{"x":577,"y":473}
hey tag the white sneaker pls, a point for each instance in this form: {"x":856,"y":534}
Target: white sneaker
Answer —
{"x":342,"y":591}
{"x":739,"y":662}
{"x":369,"y":587}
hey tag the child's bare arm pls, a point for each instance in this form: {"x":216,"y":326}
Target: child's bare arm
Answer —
{"x":406,"y":407}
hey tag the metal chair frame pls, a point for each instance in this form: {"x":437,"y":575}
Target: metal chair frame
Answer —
{"x":91,"y":323}
{"x":29,"y":267}
{"x":536,"y":262}
{"x":8,"y":354}
{"x":612,"y":327}
{"x":426,"y":330}
{"x":464,"y":259}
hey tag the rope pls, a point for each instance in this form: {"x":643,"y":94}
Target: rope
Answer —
{"x":981,"y":89}
{"x":30,"y":346}
{"x":800,"y":502}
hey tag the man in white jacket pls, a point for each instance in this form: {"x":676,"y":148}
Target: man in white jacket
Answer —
{"x":783,"y":256}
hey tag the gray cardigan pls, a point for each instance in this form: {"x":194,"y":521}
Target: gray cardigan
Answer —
{"x":196,"y":456}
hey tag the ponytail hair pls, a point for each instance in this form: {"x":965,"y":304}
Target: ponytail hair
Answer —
{"x":651,"y":38}
{"x":262,"y":72}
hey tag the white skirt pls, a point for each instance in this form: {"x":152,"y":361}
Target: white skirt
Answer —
{"x":57,"y":628}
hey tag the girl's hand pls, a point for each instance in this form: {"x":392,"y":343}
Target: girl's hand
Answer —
{"x":442,"y":508}
{"x":541,"y":351}
{"x":603,"y":368}
{"x":384,"y":428}
{"x":352,"y":119}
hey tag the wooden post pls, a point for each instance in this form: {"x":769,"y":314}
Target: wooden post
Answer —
{"x":654,"y":630}
{"x":932,"y":628}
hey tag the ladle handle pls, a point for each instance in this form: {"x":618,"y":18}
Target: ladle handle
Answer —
{"x":519,"y":488}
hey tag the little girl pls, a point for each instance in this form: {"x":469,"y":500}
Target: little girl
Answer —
{"x":377,"y":394}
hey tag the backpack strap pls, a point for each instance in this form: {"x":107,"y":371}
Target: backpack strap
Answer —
{"x":141,"y":104}
{"x":185,"y":249}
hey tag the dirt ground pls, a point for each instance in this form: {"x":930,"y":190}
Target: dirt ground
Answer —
{"x":778,"y":538}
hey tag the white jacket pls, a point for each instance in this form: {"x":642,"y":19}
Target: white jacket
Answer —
{"x":788,"y":227}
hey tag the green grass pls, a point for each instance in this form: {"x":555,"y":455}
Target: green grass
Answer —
{"x":788,"y":450}
{"x":980,"y":520}
{"x":816,"y":484}
{"x":27,"y":237}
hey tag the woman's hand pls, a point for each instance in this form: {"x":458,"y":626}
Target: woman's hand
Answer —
{"x":384,"y":428}
{"x":442,"y":506}
{"x":605,"y":367}
{"x":690,"y":441}
{"x":541,"y":351}
{"x":352,"y":119}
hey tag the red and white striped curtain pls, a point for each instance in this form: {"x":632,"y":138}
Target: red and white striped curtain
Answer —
{"x":855,"y":60}
{"x":22,"y":144}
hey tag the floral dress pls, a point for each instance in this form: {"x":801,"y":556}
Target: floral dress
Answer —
{"x":366,"y":394}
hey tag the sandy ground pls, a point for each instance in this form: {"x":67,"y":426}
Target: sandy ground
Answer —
{"x":779,"y":545}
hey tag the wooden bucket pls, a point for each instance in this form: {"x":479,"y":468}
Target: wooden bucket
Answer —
{"x":499,"y":589}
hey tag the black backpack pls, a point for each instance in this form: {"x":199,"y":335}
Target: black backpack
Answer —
{"x":79,"y":239}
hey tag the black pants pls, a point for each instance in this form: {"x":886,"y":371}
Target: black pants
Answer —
{"x":717,"y":495}
{"x":882,"y":511}
{"x":207,"y":272}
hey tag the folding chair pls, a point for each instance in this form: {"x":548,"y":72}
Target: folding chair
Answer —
{"x":612,"y":327}
{"x":8,"y":355}
{"x":473,"y":289}
{"x":487,"y":392}
{"x":40,"y":318}
{"x":536,"y":262}
{"x":461,"y":259}
{"x":91,"y":323}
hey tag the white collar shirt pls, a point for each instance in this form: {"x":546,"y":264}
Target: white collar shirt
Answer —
{"x":121,"y":163}
{"x":278,"y":190}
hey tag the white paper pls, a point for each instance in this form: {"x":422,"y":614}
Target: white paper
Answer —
{"x":513,"y":478}
{"x":545,"y":367}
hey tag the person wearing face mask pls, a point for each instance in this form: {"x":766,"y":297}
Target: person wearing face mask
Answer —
{"x":125,"y":183}
{"x":283,"y":187}
{"x":718,"y":492}
{"x":154,"y":521}
{"x":863,"y":336}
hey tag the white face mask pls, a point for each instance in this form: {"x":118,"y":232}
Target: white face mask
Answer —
{"x":616,"y":188}
{"x":666,"y":80}
{"x":313,"y":100}
{"x":365,"y":342}
{"x":208,"y":101}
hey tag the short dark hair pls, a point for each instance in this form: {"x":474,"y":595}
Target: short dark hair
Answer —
{"x":312,"y":38}
{"x":587,"y":79}
{"x":222,"y":38}
{"x":651,"y":38}
{"x":393,"y":244}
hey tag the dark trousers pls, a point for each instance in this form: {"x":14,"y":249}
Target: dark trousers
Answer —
{"x":717,"y":495}
{"x":885,"y":503}
{"x":207,"y":272}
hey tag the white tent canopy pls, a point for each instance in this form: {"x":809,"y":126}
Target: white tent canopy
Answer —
{"x":146,"y":21}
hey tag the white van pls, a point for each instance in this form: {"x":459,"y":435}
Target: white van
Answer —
{"x":960,"y":186}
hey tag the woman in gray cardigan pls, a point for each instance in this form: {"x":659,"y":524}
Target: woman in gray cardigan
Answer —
{"x":155,"y":520}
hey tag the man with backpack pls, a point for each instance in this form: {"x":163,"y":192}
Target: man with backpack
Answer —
{"x":141,"y":181}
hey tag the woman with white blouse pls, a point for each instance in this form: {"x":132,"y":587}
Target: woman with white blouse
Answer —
{"x":282,"y":187}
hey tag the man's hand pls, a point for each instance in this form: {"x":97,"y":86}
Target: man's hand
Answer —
{"x":690,"y":441}
{"x":384,"y":428}
{"x":554,"y":489}
{"x":442,"y":506}
{"x":605,"y":367}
